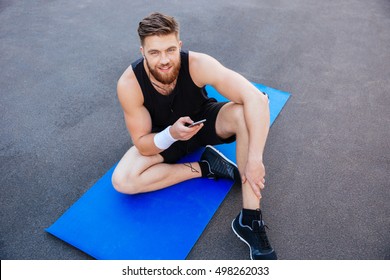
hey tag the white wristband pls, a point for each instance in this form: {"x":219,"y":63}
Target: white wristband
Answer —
{"x":163,"y":140}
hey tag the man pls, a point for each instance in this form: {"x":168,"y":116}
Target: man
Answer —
{"x":162,"y":94}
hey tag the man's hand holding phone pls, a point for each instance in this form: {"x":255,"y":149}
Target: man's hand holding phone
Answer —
{"x":185,"y":128}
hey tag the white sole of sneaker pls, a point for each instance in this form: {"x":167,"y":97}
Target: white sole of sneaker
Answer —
{"x":221,"y":154}
{"x":243,"y":240}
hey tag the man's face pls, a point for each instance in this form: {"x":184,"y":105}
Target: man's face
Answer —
{"x":162,"y":56}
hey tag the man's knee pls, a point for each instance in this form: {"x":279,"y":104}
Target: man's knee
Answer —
{"x":126,"y":184}
{"x":238,"y":114}
{"x":126,"y":176}
{"x":230,"y":120}
{"x":237,"y":118}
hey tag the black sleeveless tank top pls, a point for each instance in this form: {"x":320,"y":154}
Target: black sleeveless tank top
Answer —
{"x":187,"y":99}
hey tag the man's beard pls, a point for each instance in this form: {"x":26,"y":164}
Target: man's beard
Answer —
{"x":165,"y":79}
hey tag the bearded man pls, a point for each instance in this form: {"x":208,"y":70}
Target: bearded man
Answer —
{"x":162,"y":94}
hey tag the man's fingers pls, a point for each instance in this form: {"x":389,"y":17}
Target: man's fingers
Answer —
{"x":199,"y":127}
{"x":257,"y":192}
{"x":255,"y":187}
{"x":186,"y":120}
{"x":258,"y":187}
{"x":191,"y":131}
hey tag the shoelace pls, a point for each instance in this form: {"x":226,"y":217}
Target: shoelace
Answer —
{"x":263,"y":237}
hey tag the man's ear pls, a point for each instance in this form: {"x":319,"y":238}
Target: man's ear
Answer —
{"x":142,"y":51}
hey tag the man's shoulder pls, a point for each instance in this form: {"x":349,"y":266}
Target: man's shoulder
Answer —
{"x":196,"y":57}
{"x":127,"y":79}
{"x":128,"y":86}
{"x":201,"y":60}
{"x":203,"y":68}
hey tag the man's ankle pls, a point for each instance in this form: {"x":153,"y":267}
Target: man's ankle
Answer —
{"x":250,"y":215}
{"x":204,"y":168}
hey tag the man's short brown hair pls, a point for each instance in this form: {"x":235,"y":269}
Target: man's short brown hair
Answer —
{"x":157,"y":24}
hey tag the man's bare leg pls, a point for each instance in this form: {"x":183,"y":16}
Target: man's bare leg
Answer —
{"x":231,"y":121}
{"x":136,"y":173}
{"x":248,"y":225}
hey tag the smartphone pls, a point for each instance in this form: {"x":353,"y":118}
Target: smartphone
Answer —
{"x":197,"y":123}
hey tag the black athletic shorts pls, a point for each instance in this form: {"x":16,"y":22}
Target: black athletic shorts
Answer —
{"x":206,"y":136}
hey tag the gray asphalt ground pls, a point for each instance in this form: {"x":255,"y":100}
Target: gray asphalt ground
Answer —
{"x":327,"y":155}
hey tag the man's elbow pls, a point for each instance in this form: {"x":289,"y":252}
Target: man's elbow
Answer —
{"x":264,"y":98}
{"x":257,"y":97}
{"x":144,"y":150}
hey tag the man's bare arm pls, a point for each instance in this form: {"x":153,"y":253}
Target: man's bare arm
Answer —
{"x":206,"y":70}
{"x":137,"y":117}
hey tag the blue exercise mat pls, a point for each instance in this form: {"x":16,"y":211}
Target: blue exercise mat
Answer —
{"x":160,"y":225}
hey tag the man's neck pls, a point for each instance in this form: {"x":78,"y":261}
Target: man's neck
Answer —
{"x":164,"y":89}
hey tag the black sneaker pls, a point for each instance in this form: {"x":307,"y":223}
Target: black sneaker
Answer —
{"x":219,"y":165}
{"x":255,"y":238}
